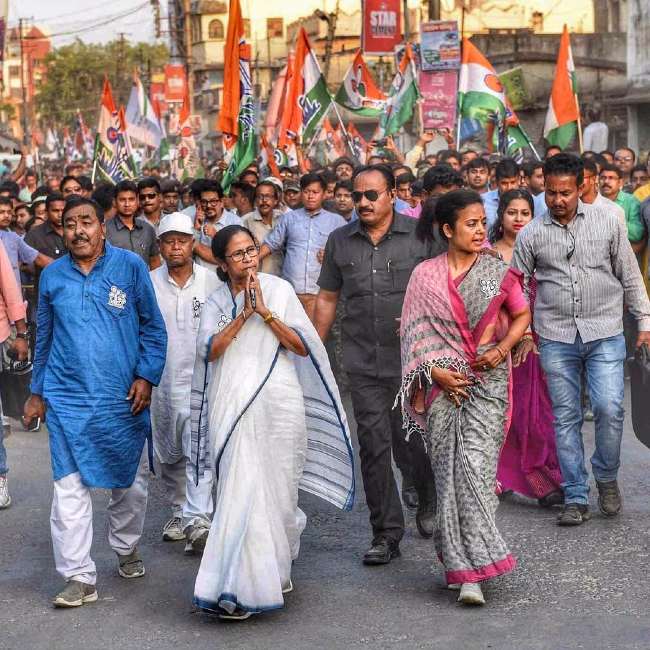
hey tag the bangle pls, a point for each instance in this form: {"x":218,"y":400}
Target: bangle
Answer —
{"x":501,"y":352}
{"x":243,"y":314}
{"x":269,"y":318}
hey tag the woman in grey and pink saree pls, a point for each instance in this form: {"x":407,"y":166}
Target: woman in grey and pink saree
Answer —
{"x":463,"y":312}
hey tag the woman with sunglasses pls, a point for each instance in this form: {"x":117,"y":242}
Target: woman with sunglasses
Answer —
{"x":528,"y":463}
{"x":267,"y":416}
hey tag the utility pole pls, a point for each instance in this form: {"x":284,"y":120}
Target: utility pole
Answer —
{"x":434,"y":9}
{"x":407,"y":29}
{"x":23,"y":88}
{"x":187,"y":27}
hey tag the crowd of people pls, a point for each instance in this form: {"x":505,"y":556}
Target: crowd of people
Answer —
{"x":476,"y":310}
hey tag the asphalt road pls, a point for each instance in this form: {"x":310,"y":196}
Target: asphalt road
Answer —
{"x":573,"y":588}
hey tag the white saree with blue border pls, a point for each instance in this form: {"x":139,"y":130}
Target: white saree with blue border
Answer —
{"x":269,"y":422}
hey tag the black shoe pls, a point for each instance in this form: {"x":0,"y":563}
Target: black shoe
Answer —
{"x":553,"y":499}
{"x":574,"y":514}
{"x":609,"y":498}
{"x":381,"y":552}
{"x":410,"y":497}
{"x":425,"y":520}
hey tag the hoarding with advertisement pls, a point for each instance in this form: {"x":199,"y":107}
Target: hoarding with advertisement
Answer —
{"x":439,"y":92}
{"x":175,"y":82}
{"x":382,"y":26}
{"x":440,"y":45}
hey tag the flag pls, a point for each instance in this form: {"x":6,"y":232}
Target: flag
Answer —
{"x":241,"y":141}
{"x":113,"y":161}
{"x":358,"y":92}
{"x":142,"y":122}
{"x":267,"y":156}
{"x":308,"y":97}
{"x":562,"y":116}
{"x":276,"y":103}
{"x":402,"y":98}
{"x":329,"y":143}
{"x":231,"y":93}
{"x":358,"y":143}
{"x":187,"y":153}
{"x":480,"y":92}
{"x":83,"y":140}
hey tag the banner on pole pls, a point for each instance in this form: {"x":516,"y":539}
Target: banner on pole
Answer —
{"x":175,"y":83}
{"x":382,"y":26}
{"x":440,"y":45}
{"x":438,"y":90}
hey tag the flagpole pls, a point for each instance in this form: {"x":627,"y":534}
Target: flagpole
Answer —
{"x":345,"y":131}
{"x":580,"y":141}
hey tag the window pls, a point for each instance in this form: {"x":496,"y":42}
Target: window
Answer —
{"x":215,"y":30}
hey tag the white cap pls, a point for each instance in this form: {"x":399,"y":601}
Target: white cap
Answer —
{"x":176,"y":222}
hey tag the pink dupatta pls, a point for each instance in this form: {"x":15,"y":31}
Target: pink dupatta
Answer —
{"x":435,"y":330}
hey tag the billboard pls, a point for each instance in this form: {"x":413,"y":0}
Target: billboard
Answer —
{"x":381,"y":27}
{"x":439,"y":94}
{"x":439,"y":45}
{"x":175,"y":82}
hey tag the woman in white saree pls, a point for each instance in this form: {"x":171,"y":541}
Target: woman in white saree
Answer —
{"x":267,"y":415}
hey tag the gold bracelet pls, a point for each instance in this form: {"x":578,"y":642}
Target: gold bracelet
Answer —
{"x":269,"y":318}
{"x":243,"y":313}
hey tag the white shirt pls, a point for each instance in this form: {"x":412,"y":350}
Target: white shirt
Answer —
{"x":170,"y":401}
{"x":610,"y":205}
{"x":595,"y":137}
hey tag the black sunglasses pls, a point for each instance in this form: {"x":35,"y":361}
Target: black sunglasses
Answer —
{"x":152,"y":195}
{"x":371,"y":195}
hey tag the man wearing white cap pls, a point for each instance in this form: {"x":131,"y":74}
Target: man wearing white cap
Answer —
{"x":181,"y":289}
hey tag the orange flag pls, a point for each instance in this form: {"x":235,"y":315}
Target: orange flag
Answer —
{"x":229,"y":113}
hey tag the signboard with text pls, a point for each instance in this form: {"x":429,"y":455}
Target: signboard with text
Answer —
{"x":439,"y":93}
{"x":175,"y":82}
{"x":382,"y":26}
{"x":439,"y":45}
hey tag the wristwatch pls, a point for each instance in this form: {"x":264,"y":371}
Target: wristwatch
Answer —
{"x":22,"y":335}
{"x":270,"y":317}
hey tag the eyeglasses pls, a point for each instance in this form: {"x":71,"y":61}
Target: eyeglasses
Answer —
{"x":238,"y":256}
{"x":151,"y":195}
{"x":371,"y":195}
{"x":210,"y":201}
{"x":623,"y":158}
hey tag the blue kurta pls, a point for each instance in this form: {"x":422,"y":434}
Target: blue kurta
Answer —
{"x":96,"y":334}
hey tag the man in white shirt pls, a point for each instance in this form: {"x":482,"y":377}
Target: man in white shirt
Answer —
{"x":181,"y":288}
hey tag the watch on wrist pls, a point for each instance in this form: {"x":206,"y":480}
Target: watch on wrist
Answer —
{"x":22,"y":335}
{"x":270,"y":317}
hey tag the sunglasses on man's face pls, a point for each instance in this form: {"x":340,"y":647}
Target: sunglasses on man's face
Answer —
{"x":370,"y":195}
{"x":151,"y":195}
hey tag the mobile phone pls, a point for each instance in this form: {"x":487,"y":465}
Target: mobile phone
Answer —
{"x":253,"y":298}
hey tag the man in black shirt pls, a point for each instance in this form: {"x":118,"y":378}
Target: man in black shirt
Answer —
{"x":369,"y":263}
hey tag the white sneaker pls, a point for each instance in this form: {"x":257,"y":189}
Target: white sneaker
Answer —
{"x":5,"y":499}
{"x":173,"y":530}
{"x":471,"y":594}
{"x":197,"y":536}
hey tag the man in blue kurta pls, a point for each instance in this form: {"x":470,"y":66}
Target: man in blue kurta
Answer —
{"x":100,"y":347}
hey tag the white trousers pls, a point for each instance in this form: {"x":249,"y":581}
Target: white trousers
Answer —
{"x":190,"y":502}
{"x":71,"y":522}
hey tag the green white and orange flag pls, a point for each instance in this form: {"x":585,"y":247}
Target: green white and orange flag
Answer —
{"x":113,"y":160}
{"x":480,"y":92}
{"x":358,"y":92}
{"x":308,"y":98}
{"x":402,"y":98}
{"x":562,"y":116}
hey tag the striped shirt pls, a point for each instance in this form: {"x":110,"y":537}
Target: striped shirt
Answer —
{"x":585,"y":271}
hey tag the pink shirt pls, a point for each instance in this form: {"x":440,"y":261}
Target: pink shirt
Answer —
{"x":12,"y":307}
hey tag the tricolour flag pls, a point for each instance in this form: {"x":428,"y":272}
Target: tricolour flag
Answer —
{"x":188,"y":160}
{"x":142,"y":122}
{"x":308,"y":97}
{"x":562,"y":116}
{"x":481,"y":97}
{"x":402,"y":98}
{"x":358,"y":143}
{"x":113,"y":161}
{"x":358,"y":92}
{"x":242,"y":148}
{"x":83,"y":139}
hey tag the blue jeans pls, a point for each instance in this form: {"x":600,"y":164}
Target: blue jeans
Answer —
{"x":603,"y":362}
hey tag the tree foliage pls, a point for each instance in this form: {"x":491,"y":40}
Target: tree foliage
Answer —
{"x":75,"y":75}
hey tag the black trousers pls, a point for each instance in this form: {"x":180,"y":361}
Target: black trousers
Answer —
{"x":378,"y":425}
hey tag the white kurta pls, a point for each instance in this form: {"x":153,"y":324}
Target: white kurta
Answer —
{"x":170,"y":400}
